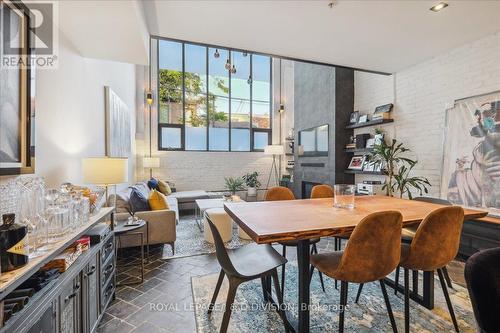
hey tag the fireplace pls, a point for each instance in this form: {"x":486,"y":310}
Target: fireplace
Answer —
{"x":307,"y":188}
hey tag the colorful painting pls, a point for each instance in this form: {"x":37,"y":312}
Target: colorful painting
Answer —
{"x":118,"y":136}
{"x":471,"y":164}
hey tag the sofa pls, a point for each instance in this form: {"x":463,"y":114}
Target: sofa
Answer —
{"x":162,"y":223}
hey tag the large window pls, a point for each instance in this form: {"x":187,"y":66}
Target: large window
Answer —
{"x":212,"y":99}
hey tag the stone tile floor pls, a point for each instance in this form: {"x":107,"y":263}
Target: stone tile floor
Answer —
{"x":163,"y":303}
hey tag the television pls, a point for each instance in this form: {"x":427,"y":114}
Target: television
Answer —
{"x":313,"y":141}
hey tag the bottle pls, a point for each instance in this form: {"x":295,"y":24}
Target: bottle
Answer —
{"x":13,"y":244}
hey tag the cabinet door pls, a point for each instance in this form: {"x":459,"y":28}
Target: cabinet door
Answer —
{"x":48,"y":320}
{"x":90,"y":294}
{"x":69,"y":300}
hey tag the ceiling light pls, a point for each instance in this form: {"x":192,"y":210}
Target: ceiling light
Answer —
{"x":228,"y":64}
{"x":216,"y":54}
{"x":439,"y":6}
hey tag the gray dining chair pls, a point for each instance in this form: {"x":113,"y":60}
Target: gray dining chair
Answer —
{"x":245,"y":264}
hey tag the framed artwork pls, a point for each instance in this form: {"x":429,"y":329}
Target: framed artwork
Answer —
{"x":357,"y":162}
{"x":363,"y":119}
{"x":353,"y":119}
{"x":118,"y":135}
{"x":471,"y":163}
{"x":17,"y":122}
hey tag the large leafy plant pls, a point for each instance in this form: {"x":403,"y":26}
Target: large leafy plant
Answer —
{"x":234,"y":184}
{"x":251,"y":179}
{"x":398,"y":169}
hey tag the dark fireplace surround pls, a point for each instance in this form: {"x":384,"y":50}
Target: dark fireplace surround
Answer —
{"x":307,"y":188}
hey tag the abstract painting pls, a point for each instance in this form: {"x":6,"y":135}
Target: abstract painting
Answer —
{"x":118,"y":136}
{"x":471,"y":164}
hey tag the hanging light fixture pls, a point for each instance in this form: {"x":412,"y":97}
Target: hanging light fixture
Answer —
{"x":149,"y":97}
{"x":228,"y":64}
{"x":216,"y":54}
{"x":233,"y":70}
{"x":249,"y":81}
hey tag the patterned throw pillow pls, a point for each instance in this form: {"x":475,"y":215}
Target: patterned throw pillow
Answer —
{"x":157,"y":201}
{"x":164,"y":188}
{"x":153,"y":184}
{"x":138,"y":202}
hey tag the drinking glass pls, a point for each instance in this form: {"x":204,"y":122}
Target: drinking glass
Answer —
{"x":344,"y":196}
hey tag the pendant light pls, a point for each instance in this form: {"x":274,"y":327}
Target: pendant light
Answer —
{"x":228,"y":64}
{"x":249,"y":81}
{"x":233,"y":70}
{"x":216,"y":54}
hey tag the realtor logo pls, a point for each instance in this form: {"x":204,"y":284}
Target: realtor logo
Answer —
{"x":29,"y":34}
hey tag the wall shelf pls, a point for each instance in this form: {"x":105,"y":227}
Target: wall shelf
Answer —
{"x":359,"y":150}
{"x":364,"y":172}
{"x":370,"y":123}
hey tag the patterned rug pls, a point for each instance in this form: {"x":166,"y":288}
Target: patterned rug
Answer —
{"x":250,"y":315}
{"x":191,"y":242}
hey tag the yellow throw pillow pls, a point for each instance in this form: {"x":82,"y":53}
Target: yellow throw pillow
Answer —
{"x":157,"y":201}
{"x":164,"y":188}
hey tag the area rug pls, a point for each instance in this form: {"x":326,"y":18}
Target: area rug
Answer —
{"x":370,"y":315}
{"x":190,"y":240}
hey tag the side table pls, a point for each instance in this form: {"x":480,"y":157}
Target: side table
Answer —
{"x":123,"y":229}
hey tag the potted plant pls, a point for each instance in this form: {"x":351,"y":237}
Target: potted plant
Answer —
{"x":397,"y":167}
{"x":252,"y":182}
{"x":234,"y":185}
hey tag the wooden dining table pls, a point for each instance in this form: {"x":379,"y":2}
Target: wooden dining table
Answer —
{"x":272,"y":221}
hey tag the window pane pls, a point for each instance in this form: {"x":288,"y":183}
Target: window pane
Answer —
{"x":240,"y":113}
{"x":261,"y":117}
{"x":322,"y":141}
{"x":170,"y":82}
{"x":195,"y":68}
{"x":260,"y":140}
{"x":240,"y":88}
{"x":261,"y":78}
{"x":240,"y":139}
{"x":196,"y":138}
{"x":219,"y":123}
{"x":218,"y":75}
{"x":196,"y":122}
{"x":171,"y":138}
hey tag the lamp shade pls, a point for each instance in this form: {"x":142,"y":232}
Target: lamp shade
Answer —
{"x":274,"y":150}
{"x":151,"y":162}
{"x":105,"y":170}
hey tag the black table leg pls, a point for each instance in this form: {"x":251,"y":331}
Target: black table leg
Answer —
{"x":303,"y":263}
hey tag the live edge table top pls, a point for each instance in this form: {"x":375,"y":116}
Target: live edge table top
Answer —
{"x":271,"y":221}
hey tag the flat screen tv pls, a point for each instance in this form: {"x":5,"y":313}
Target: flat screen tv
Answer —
{"x":314,"y":141}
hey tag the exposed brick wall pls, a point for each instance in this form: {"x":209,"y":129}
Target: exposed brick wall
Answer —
{"x":423,"y":92}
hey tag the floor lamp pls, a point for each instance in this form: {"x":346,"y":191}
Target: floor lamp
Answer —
{"x":151,"y":163}
{"x":275,"y":150}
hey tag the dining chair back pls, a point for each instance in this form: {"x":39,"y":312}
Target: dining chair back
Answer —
{"x":436,"y":241}
{"x":279,"y":193}
{"x":322,"y":191}
{"x":220,"y":250}
{"x":374,"y":248}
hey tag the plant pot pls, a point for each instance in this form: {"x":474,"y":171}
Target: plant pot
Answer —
{"x":252,"y":191}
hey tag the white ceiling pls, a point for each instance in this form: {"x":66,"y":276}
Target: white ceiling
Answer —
{"x":382,"y":36}
{"x":112,"y":29}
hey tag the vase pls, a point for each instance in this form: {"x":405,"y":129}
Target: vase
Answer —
{"x":252,"y":191}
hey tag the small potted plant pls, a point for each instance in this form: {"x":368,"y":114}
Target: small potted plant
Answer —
{"x":252,"y":182}
{"x":234,"y":185}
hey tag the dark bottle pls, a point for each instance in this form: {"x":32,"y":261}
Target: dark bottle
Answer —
{"x":13,"y":244}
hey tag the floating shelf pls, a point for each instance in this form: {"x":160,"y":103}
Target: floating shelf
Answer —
{"x":289,"y":154}
{"x":364,"y":172}
{"x":359,"y":150}
{"x":370,"y":123}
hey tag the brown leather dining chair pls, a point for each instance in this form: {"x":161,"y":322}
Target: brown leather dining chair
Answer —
{"x":409,"y":232}
{"x":373,"y":251}
{"x":435,"y":244}
{"x":242,"y":265}
{"x":279,"y":193}
{"x":322,"y":191}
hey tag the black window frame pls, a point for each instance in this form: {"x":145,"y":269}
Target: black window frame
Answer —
{"x":182,"y":126}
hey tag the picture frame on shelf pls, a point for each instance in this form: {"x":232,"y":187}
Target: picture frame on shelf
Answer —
{"x":357,"y":162}
{"x":363,"y":119}
{"x":354,"y":117}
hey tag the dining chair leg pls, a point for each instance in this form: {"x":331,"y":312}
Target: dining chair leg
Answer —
{"x":447,"y":277}
{"x":281,"y":312}
{"x":314,"y":250}
{"x":407,"y":300}
{"x":216,"y":292}
{"x":396,"y":281}
{"x":343,"y":302}
{"x":388,"y":306}
{"x":233,"y":286}
{"x":283,"y":274}
{"x":359,"y":292}
{"x":447,"y":298}
{"x":264,"y":289}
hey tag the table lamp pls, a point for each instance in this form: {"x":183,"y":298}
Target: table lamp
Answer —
{"x":151,"y":162}
{"x":105,"y":171}
{"x":275,"y":150}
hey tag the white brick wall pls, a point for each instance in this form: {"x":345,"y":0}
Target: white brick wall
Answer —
{"x":423,"y":92}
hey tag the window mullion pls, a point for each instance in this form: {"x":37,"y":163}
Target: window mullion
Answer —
{"x":230,"y":103}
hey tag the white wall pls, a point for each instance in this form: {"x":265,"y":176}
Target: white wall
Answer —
{"x":70,"y":117}
{"x":423,"y":92}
